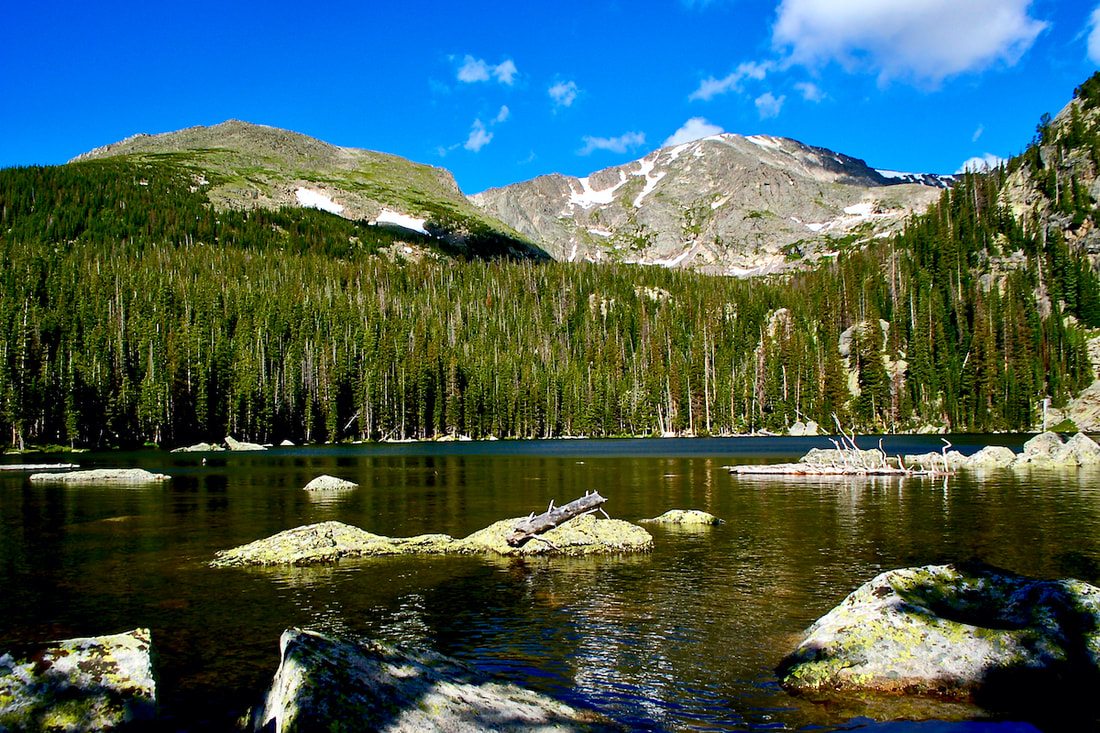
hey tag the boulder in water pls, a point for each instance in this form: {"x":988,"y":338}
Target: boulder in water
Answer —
{"x":685,"y":517}
{"x":110,"y":476}
{"x":100,"y":683}
{"x":330,"y":483}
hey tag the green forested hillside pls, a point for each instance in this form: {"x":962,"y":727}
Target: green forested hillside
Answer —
{"x":131,"y":311}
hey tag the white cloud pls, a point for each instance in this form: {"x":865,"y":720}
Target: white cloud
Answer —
{"x":479,"y":137}
{"x":977,"y":133}
{"x":981,"y":163}
{"x":711,"y":87}
{"x":615,"y":144}
{"x":563,"y":93}
{"x":923,"y":40}
{"x":503,"y":115}
{"x":1094,"y":36}
{"x":768,"y":105}
{"x":694,"y":129}
{"x":810,"y":92}
{"x":475,"y":70}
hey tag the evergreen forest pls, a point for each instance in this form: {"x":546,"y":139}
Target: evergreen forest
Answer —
{"x":131,"y":312}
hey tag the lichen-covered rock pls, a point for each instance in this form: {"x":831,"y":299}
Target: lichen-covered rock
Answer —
{"x":1044,"y":445}
{"x":1080,"y":450}
{"x":200,"y":448}
{"x":93,"y":684}
{"x":330,"y":483}
{"x":340,"y":685}
{"x":933,"y":460}
{"x":953,"y":630}
{"x":685,"y":516}
{"x":112,"y":476}
{"x":328,"y":542}
{"x":584,"y":535}
{"x":830,"y":456}
{"x":241,"y":446}
{"x":992,"y":456}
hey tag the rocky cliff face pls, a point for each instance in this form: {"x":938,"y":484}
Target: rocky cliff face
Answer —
{"x":725,"y":204}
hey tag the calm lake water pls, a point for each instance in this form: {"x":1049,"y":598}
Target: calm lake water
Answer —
{"x":683,"y":638}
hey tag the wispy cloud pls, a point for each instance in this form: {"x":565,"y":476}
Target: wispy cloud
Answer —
{"x":711,"y":87}
{"x":1094,"y":36}
{"x":810,"y":92}
{"x":768,"y":105}
{"x":479,"y":137}
{"x":977,"y":133}
{"x":475,"y":70}
{"x":564,"y":93}
{"x":925,"y":41}
{"x":694,"y":129}
{"x":620,"y":144}
{"x":503,"y":115}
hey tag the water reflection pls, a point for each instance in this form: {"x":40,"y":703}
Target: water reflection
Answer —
{"x":685,"y":637}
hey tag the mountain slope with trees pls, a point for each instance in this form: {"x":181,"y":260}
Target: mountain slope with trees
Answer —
{"x":133,"y":310}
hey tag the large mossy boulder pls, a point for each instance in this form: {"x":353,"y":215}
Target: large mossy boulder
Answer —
{"x":327,"y":542}
{"x":339,"y":685}
{"x":583,"y":535}
{"x":962,"y":631}
{"x":100,"y":683}
{"x":101,"y":476}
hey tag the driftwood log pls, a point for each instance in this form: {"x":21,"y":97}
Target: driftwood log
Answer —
{"x":552,"y":517}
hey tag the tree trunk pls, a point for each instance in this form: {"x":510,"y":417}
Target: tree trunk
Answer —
{"x":552,"y":517}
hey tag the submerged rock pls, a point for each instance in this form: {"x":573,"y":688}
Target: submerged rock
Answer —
{"x":330,"y":483}
{"x":330,"y":541}
{"x":241,"y":446}
{"x":335,"y":685}
{"x":200,"y":448}
{"x":684,"y":516}
{"x":113,"y":476}
{"x":956,"y":631}
{"x":99,"y":683}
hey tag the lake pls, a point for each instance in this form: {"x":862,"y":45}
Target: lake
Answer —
{"x":683,"y":638}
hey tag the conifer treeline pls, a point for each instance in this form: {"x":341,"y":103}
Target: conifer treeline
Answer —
{"x":131,"y":311}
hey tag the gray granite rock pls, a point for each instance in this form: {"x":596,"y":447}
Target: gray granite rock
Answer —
{"x":200,"y":448}
{"x":339,"y":685}
{"x":101,"y":683}
{"x":953,"y":631}
{"x":241,"y":446}
{"x":992,"y":456}
{"x":330,"y":483}
{"x":111,"y":476}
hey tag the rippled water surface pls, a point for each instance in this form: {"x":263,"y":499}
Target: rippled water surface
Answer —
{"x":683,"y":638}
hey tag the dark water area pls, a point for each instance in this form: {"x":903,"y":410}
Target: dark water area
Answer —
{"x":683,"y":638}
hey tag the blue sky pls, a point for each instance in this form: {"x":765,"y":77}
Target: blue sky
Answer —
{"x":502,"y":92}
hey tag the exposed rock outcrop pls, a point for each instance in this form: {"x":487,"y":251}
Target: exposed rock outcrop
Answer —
{"x":1047,"y":450}
{"x":112,"y":476}
{"x":685,"y":516}
{"x":332,"y":684}
{"x":99,"y":683}
{"x":237,"y":445}
{"x":200,"y":448}
{"x":330,"y":483}
{"x":991,"y":456}
{"x":956,"y":631}
{"x":330,"y":541}
{"x":933,"y":460}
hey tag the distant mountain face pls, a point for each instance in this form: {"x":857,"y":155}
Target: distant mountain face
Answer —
{"x":245,"y":166}
{"x":725,"y":204}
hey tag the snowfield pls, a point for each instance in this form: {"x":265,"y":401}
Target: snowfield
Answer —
{"x":316,"y":200}
{"x":401,"y":220}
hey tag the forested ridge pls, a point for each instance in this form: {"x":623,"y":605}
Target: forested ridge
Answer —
{"x":132,"y":311}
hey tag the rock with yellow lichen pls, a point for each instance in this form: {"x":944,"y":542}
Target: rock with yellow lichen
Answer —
{"x":961,"y":631}
{"x":99,"y":683}
{"x":693,"y":517}
{"x":333,"y":684}
{"x":329,"y":541}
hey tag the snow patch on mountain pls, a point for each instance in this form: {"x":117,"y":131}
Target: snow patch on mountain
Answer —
{"x":402,"y":220}
{"x":311,"y":199}
{"x":587,"y":197}
{"x":650,"y":181}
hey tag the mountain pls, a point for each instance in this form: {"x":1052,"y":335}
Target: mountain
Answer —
{"x":724,"y":204}
{"x":243,"y":166}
